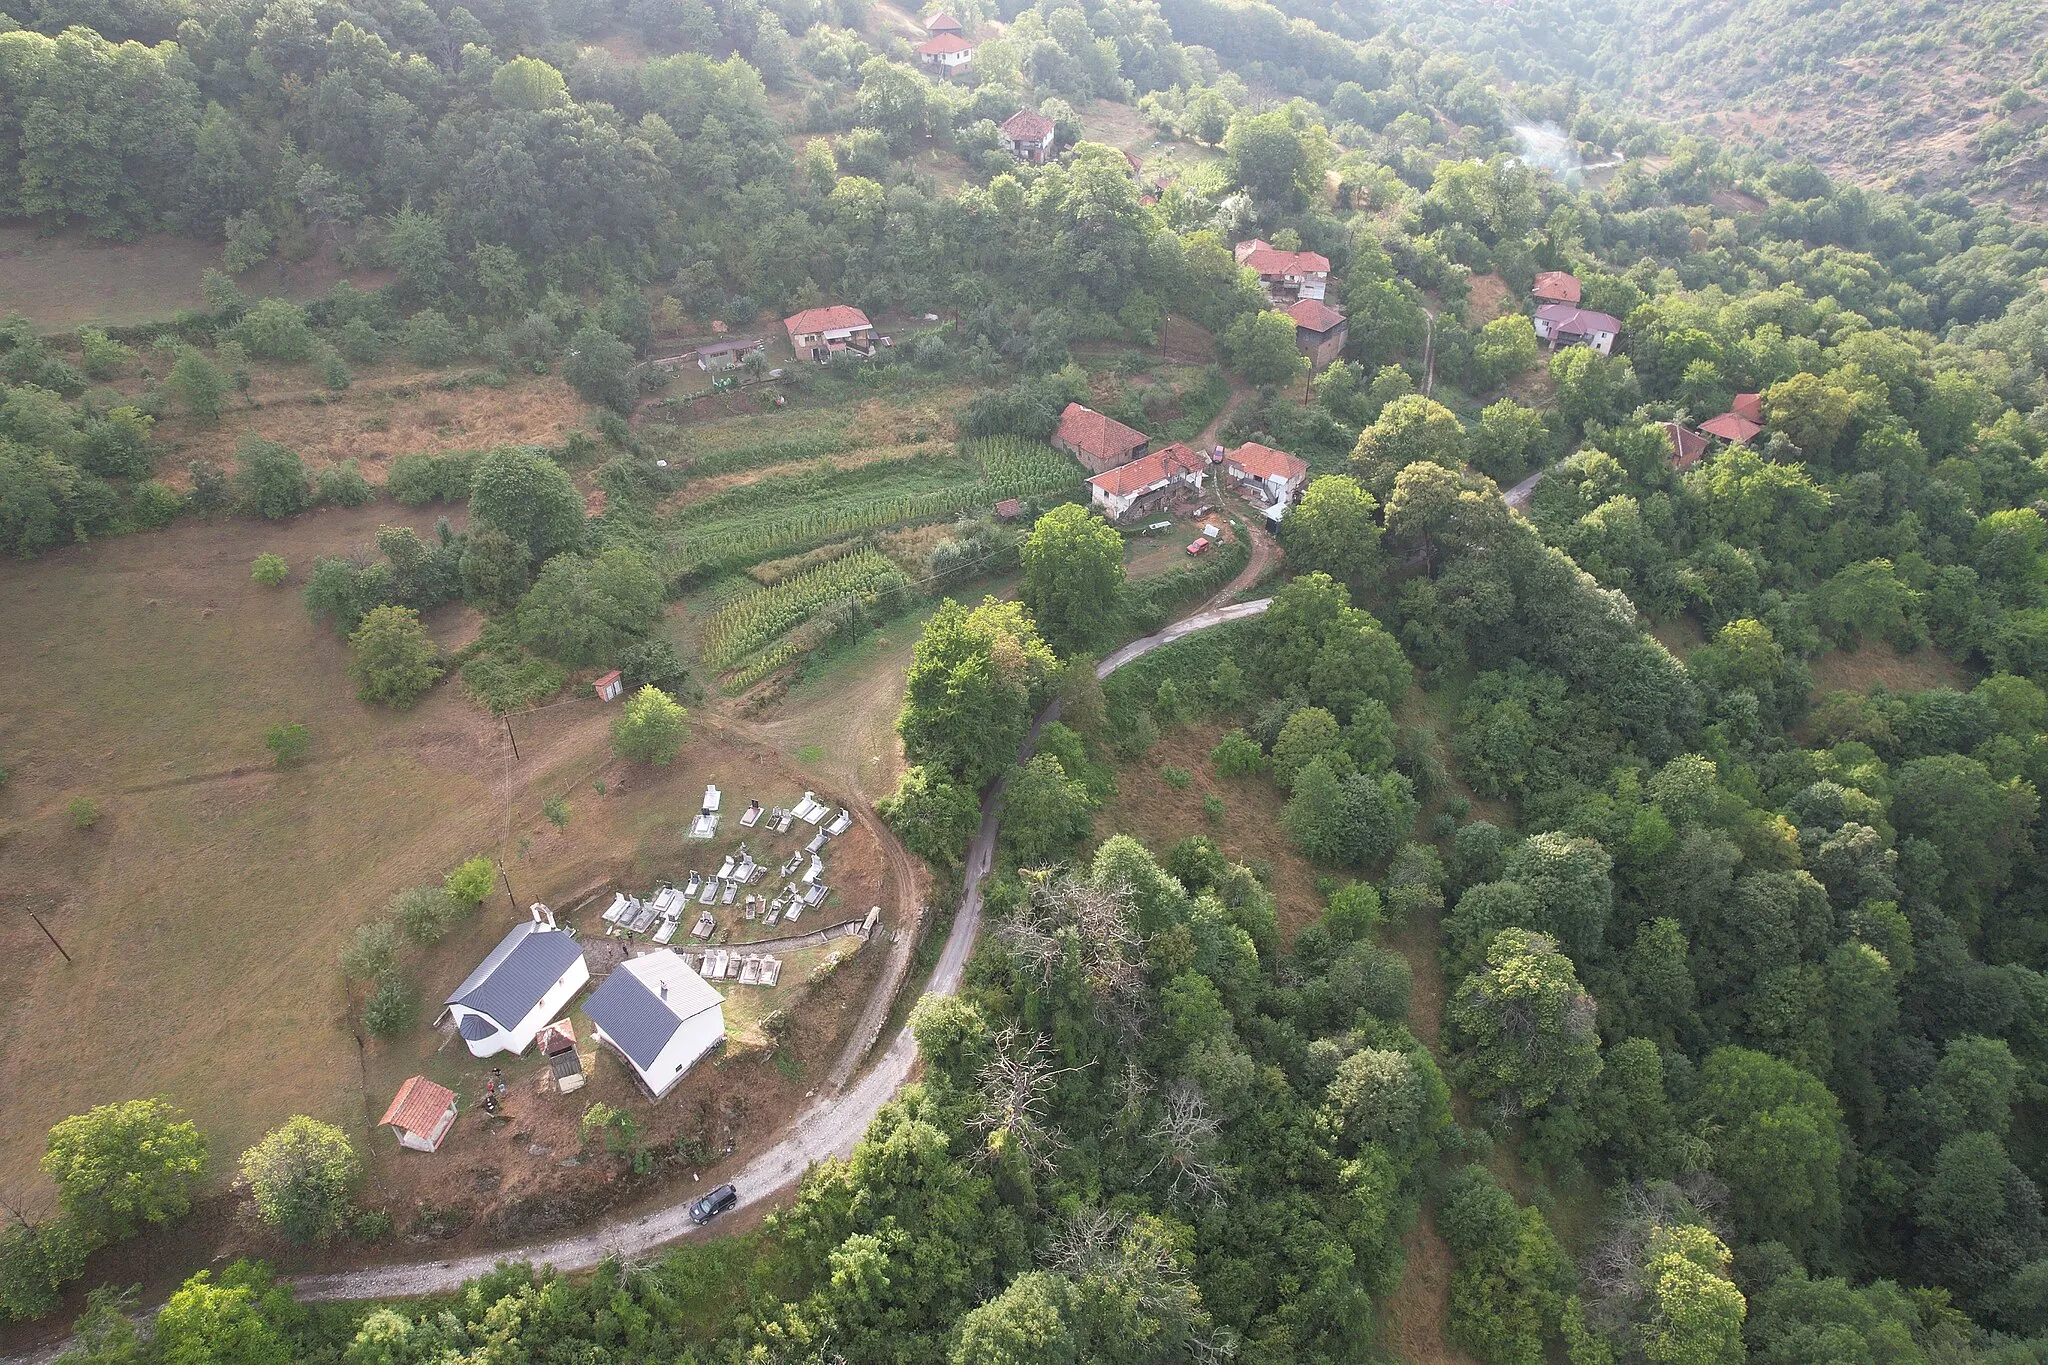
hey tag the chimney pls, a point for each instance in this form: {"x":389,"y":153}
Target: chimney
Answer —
{"x":664,"y":990}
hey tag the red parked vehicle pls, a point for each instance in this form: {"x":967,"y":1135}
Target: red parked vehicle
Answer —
{"x":1199,"y":545}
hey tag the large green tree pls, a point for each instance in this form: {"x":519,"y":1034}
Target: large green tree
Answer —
{"x":1073,"y":568}
{"x":1524,"y":1027}
{"x":975,"y":678}
{"x":530,"y":498}
{"x":303,"y":1178}
{"x":391,"y":657}
{"x":1775,"y":1134}
{"x":121,"y":1165}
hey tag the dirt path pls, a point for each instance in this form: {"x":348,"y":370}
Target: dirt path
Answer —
{"x":1239,"y":391}
{"x":1518,"y":497}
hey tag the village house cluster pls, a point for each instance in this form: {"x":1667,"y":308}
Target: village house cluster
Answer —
{"x":1298,"y":284}
{"x":1126,"y":481}
{"x":656,"y":1009}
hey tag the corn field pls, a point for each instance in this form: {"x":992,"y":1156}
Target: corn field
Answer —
{"x":1011,"y":467}
{"x":759,"y":617}
{"x":764,"y":663}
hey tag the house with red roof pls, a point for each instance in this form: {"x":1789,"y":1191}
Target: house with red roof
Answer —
{"x":1029,"y":136}
{"x":942,"y":22}
{"x":1097,"y":441}
{"x":1558,"y":286}
{"x":1743,"y":421}
{"x":1274,"y":478}
{"x":945,"y":52}
{"x":420,"y":1114}
{"x":1286,"y":275}
{"x":1147,"y":482}
{"x":819,"y":332}
{"x":1319,"y":331}
{"x":1564,"y":324}
{"x":1687,"y":445}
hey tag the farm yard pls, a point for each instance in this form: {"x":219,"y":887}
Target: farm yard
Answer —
{"x":207,"y":906}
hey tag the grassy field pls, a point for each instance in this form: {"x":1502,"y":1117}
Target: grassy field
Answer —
{"x":62,"y":281}
{"x":205,"y":909}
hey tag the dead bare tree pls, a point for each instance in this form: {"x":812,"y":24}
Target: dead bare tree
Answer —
{"x":1101,"y":1245}
{"x":1067,"y":918}
{"x":1013,"y":1084}
{"x":1186,"y":1137}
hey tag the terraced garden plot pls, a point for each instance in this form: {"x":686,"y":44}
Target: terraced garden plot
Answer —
{"x":760,"y":617}
{"x":779,"y":516}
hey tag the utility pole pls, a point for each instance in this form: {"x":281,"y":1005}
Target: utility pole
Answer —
{"x":514,"y":738}
{"x":48,"y":935}
{"x":509,"y":897}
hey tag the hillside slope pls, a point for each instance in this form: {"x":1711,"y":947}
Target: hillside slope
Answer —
{"x":1909,"y":94}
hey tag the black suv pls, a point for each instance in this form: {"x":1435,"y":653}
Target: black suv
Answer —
{"x":713,"y":1204}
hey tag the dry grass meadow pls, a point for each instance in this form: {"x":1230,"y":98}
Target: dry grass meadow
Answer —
{"x":205,"y":910}
{"x":67,"y":279}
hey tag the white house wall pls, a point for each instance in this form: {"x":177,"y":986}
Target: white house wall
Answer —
{"x":516,"y":1039}
{"x":696,"y":1037}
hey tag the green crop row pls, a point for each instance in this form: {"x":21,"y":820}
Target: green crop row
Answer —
{"x":754,"y":620}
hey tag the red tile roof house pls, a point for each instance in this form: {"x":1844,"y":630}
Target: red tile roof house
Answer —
{"x":1147,"y":482}
{"x":1287,"y":275}
{"x":1281,"y":477}
{"x":421,"y":1114}
{"x":1101,"y":443}
{"x":1319,"y":331}
{"x":1731,"y":426}
{"x":1557,"y":286}
{"x":946,"y":51}
{"x":1686,"y":445}
{"x":818,"y":332}
{"x":1562,"y":324}
{"x":942,"y":22}
{"x":1028,"y":135}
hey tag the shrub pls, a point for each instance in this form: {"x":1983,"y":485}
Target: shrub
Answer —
{"x":556,"y":811}
{"x":287,"y":743}
{"x":393,"y":1008}
{"x":1213,"y":808}
{"x":270,"y":570}
{"x":103,"y":356}
{"x":303,"y":1177}
{"x":426,"y":913}
{"x":472,"y":881}
{"x":617,"y":1129}
{"x":653,"y":728}
{"x":35,"y":1258}
{"x":371,"y":1225}
{"x":391,"y":657}
{"x":275,"y":329}
{"x":152,"y":504}
{"x":430,"y":340}
{"x":85,"y":812}
{"x":122,"y":1165}
{"x":334,"y":371}
{"x":1237,"y":754}
{"x":343,"y":485}
{"x":360,"y":341}
{"x":1177,"y":778}
{"x":270,"y":478}
{"x":371,"y":952}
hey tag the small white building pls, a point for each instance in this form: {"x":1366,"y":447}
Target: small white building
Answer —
{"x":1286,"y":276}
{"x":1563,"y":324}
{"x":421,"y":1114}
{"x":533,"y":972}
{"x":1279,"y":478}
{"x":1147,"y":481}
{"x":610,"y":686}
{"x":659,"y":1015}
{"x":947,"y":52}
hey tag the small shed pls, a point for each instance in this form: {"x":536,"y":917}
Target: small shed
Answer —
{"x":609,"y":686}
{"x":558,"y":1044}
{"x":1009,"y":509}
{"x":421,"y":1114}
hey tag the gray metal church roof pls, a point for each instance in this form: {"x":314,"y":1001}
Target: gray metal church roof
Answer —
{"x":523,"y":967}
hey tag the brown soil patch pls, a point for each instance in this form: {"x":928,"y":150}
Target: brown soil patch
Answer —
{"x":1859,"y":670}
{"x":1158,"y":815}
{"x":1681,"y":635}
{"x":1490,"y":297}
{"x":1117,"y":125}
